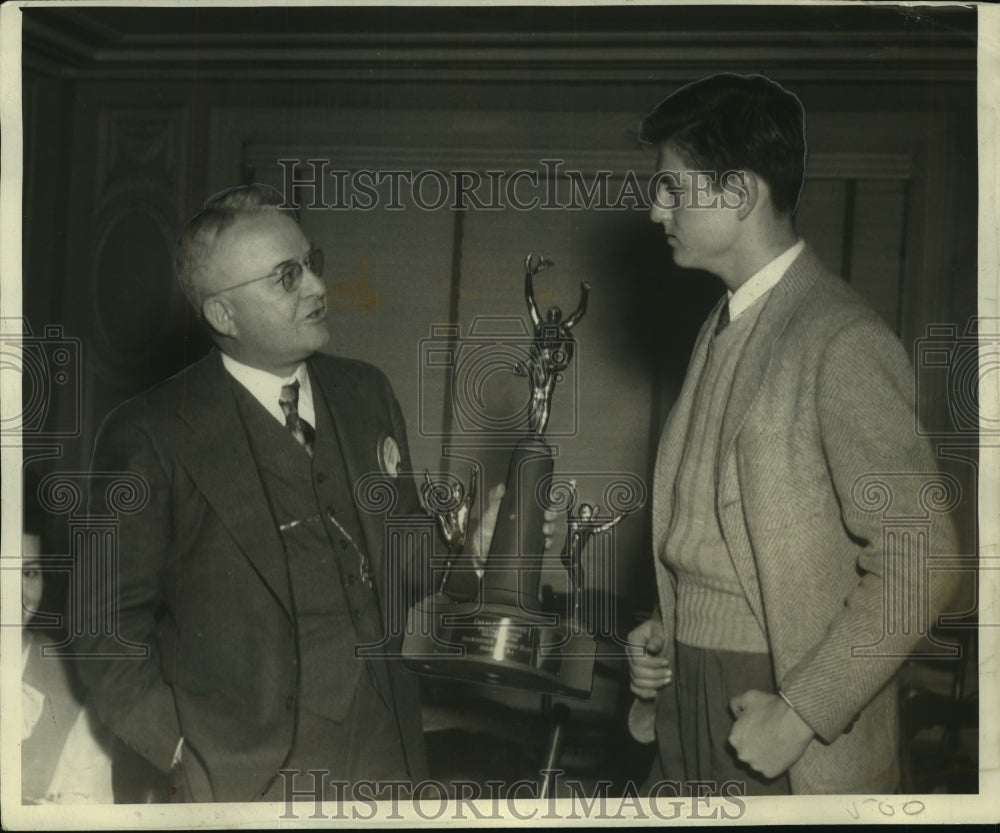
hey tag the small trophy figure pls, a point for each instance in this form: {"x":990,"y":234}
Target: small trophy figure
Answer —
{"x":452,"y":514}
{"x":581,"y":526}
{"x":552,"y":349}
{"x":450,"y":509}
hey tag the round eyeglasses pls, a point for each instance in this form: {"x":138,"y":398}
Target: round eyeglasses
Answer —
{"x":289,"y":273}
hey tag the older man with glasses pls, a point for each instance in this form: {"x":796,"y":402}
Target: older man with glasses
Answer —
{"x":252,"y":574}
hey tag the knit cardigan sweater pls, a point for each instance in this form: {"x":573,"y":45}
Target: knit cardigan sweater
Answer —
{"x":819,"y":452}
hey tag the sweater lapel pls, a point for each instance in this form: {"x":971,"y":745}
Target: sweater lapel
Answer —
{"x":757,"y":352}
{"x":747,"y":384}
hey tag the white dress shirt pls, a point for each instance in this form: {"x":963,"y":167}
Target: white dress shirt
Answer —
{"x":763,"y":281}
{"x":266,"y":388}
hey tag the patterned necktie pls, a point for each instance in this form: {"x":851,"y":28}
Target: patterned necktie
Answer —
{"x":301,"y":430}
{"x":723,"y":321}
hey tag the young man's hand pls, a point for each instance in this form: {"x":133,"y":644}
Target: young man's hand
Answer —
{"x":768,"y":734}
{"x":648,"y":667}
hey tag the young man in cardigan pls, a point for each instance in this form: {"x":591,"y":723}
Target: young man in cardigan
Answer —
{"x":768,"y":570}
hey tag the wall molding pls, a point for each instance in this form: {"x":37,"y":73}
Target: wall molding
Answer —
{"x":672,"y":45}
{"x":349,"y":139}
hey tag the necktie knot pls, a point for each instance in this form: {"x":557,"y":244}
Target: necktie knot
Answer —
{"x":289,"y":400}
{"x":300,"y":429}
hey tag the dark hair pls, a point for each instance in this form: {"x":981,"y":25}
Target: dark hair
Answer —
{"x":197,"y":240}
{"x":730,"y":122}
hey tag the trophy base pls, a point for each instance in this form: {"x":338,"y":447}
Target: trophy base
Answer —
{"x":499,"y":645}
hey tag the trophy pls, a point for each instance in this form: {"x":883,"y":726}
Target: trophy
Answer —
{"x":502,"y":636}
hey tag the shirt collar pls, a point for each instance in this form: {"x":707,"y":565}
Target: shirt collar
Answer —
{"x":763,"y":281}
{"x":266,"y":387}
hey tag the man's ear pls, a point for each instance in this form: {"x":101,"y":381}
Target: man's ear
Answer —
{"x":219,"y":315}
{"x":753,"y":190}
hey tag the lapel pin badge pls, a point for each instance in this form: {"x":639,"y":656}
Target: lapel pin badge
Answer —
{"x":389,"y":457}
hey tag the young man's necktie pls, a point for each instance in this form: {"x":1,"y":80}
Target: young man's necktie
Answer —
{"x":301,"y":430}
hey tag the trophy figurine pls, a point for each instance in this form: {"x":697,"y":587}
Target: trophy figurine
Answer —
{"x":502,"y":637}
{"x":450,"y":508}
{"x":552,"y":349}
{"x":581,"y":526}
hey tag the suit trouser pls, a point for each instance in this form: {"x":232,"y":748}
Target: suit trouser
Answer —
{"x":697,"y":748}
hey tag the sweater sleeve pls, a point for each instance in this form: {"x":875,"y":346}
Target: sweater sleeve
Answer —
{"x":865,"y":406}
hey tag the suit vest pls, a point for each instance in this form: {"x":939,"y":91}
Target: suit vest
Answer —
{"x":335,"y":605}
